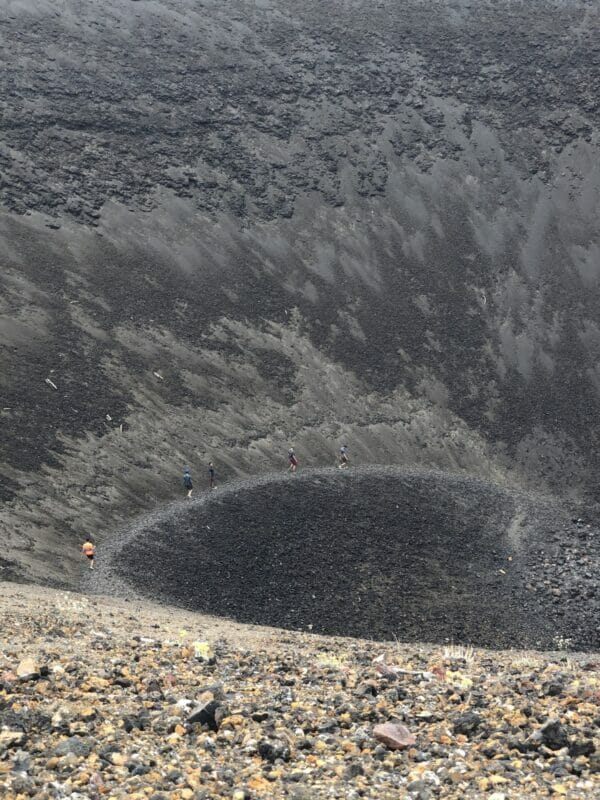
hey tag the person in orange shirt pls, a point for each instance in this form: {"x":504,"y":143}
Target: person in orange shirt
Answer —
{"x":89,"y":550}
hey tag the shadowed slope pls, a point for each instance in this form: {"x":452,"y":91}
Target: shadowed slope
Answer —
{"x":375,"y":552}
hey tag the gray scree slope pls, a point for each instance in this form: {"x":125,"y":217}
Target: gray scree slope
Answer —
{"x":230,"y":226}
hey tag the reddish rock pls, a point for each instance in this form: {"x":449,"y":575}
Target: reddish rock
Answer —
{"x":386,"y":670}
{"x":394,"y":736}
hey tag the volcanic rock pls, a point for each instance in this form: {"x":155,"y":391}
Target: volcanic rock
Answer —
{"x":205,"y":713}
{"x":9,"y":739}
{"x":467,"y":723}
{"x":166,"y":755}
{"x":273,"y":750}
{"x":74,"y":745}
{"x":394,"y":736}
{"x":28,"y":669}
{"x":583,"y":747}
{"x":554,"y":735}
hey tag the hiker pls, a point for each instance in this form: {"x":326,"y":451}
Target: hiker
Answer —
{"x":187,"y":481}
{"x":343,"y":461}
{"x":89,"y":551}
{"x":293,"y":460}
{"x":211,"y":474}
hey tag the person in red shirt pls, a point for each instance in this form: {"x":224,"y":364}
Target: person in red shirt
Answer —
{"x":293,"y":460}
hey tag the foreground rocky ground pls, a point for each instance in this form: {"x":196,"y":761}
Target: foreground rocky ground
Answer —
{"x":107,"y":698}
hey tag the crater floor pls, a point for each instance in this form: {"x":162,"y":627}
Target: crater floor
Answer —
{"x":377,"y":553}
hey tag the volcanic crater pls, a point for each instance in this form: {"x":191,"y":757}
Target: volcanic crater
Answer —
{"x":373,"y":552}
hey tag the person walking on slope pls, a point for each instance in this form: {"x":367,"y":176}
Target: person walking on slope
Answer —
{"x":187,"y":481}
{"x":293,"y":460}
{"x":89,"y":551}
{"x":211,"y":475}
{"x":343,"y":461}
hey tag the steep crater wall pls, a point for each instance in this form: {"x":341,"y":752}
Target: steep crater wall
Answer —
{"x":231,"y":227}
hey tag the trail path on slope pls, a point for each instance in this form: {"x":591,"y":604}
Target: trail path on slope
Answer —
{"x":378,"y":552}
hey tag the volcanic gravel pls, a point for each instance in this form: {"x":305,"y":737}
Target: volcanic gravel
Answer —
{"x":128,"y":700}
{"x":373,"y":552}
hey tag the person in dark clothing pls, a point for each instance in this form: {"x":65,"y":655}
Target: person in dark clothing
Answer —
{"x":343,"y":461}
{"x":187,"y":481}
{"x":293,"y":460}
{"x":211,"y":475}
